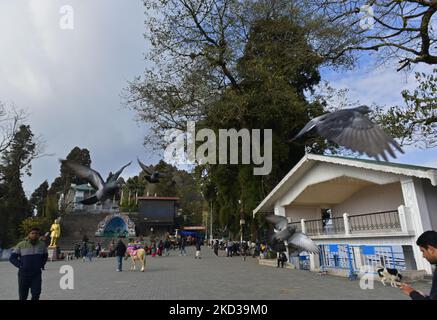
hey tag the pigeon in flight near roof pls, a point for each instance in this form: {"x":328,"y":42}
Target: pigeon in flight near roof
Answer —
{"x":297,"y":241}
{"x":352,"y":129}
{"x":105,"y":190}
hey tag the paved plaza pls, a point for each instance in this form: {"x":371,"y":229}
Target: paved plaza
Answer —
{"x":183,"y":277}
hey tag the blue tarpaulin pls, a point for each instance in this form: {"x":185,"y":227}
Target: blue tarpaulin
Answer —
{"x":189,"y":233}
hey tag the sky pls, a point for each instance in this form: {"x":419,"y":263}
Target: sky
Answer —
{"x":70,"y":82}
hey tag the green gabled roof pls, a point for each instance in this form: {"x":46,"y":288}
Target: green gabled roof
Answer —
{"x":384,"y":163}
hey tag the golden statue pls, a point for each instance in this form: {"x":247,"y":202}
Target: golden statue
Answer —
{"x":55,"y":230}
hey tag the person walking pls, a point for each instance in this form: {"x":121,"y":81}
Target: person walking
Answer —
{"x":98,"y":249}
{"x":229,"y":249}
{"x":216,"y":247}
{"x":427,"y":243}
{"x":90,"y":251}
{"x":160,"y":248}
{"x":120,"y":251}
{"x":111,"y":249}
{"x":84,"y":250}
{"x":282,"y":258}
{"x":166,"y":247}
{"x":235,"y":248}
{"x":77,"y":251}
{"x":153,"y":250}
{"x":30,"y":257}
{"x":183,"y":244}
{"x":244,"y":248}
{"x":198,"y":244}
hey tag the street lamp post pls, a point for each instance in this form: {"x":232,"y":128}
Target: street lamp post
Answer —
{"x":211,"y":237}
{"x":242,"y":221}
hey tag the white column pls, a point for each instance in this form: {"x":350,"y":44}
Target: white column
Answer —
{"x":314,"y":261}
{"x":414,"y":200}
{"x":357,"y":256}
{"x":346,"y":224}
{"x":302,"y":224}
{"x":402,"y":218}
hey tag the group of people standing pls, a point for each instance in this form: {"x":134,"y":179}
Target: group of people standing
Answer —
{"x":87,"y":250}
{"x":236,"y":248}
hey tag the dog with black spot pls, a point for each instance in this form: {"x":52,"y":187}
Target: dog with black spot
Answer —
{"x":388,"y":274}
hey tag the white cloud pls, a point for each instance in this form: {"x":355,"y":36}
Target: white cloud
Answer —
{"x":381,"y":86}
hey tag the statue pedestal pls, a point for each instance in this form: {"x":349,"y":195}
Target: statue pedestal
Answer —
{"x":52,"y":253}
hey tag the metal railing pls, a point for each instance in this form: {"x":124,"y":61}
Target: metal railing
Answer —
{"x":380,"y":221}
{"x":298,"y":226}
{"x":331,"y":226}
{"x":314,"y":227}
{"x":335,"y":225}
{"x":369,"y":222}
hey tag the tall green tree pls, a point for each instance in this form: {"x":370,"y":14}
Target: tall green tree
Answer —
{"x":195,"y":49}
{"x":15,"y":161}
{"x":38,"y":197}
{"x":277,"y":68}
{"x":51,"y":208}
{"x":228,"y":64}
{"x":62,"y":183}
{"x":414,"y":123}
{"x":402,"y":30}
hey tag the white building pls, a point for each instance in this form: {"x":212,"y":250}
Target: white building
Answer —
{"x":80,"y":192}
{"x":378,"y":209}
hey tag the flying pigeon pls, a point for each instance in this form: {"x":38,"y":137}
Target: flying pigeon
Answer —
{"x":352,"y":129}
{"x":297,"y":241}
{"x":105,"y":190}
{"x":151,"y":176}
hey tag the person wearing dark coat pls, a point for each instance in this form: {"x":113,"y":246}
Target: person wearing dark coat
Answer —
{"x":167,"y":247}
{"x":29,"y":256}
{"x":198,"y":244}
{"x":216,"y":247}
{"x":282,"y":258}
{"x":427,"y":243}
{"x":182,"y":247}
{"x":84,"y":250}
{"x":120,"y":251}
{"x":77,"y":251}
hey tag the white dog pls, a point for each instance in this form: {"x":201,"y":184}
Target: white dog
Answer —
{"x":391,"y":275}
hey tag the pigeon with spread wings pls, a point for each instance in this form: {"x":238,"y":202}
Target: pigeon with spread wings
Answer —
{"x":352,"y":129}
{"x":151,"y":175}
{"x":287,"y":232}
{"x":105,"y":190}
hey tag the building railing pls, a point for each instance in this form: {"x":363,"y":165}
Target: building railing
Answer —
{"x":321,"y":227}
{"x":314,"y":227}
{"x":298,"y":226}
{"x":386,"y":221}
{"x":96,"y":208}
{"x":381,"y":221}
